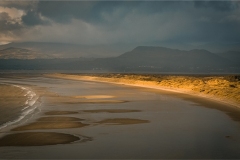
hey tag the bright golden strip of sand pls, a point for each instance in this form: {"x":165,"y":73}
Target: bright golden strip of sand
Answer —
{"x":74,"y":100}
{"x":95,"y":96}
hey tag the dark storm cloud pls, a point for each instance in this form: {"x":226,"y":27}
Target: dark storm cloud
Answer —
{"x":33,"y":18}
{"x":7,"y":24}
{"x":64,"y":12}
{"x":217,"y":5}
{"x":136,"y":22}
{"x":30,"y":18}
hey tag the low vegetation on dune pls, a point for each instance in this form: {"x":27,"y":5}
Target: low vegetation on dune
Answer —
{"x":222,"y":87}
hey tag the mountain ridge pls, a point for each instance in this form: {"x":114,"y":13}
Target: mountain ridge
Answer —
{"x":68,"y":50}
{"x":140,"y":59}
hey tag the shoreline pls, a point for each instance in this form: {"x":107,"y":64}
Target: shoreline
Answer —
{"x":171,"y":84}
{"x":27,"y":108}
{"x":79,"y":117}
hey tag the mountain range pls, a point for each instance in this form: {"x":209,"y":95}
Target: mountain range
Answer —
{"x":65,"y":50}
{"x":140,"y":59}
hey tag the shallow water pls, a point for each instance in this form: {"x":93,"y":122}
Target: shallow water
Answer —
{"x":148,"y":124}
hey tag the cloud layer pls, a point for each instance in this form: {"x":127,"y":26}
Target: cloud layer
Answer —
{"x":120,"y":22}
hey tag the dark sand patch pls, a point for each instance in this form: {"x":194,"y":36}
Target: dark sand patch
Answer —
{"x":37,"y":139}
{"x":50,"y":125}
{"x":111,"y":111}
{"x":59,"y":119}
{"x":60,"y":112}
{"x":122,"y":121}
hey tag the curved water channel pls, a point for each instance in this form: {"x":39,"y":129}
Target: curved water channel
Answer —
{"x":117,"y":121}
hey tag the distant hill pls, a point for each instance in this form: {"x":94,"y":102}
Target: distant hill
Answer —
{"x":234,"y":56}
{"x":165,"y":59}
{"x":141,"y":59}
{"x":64,"y":50}
{"x":19,"y":53}
{"x":220,"y":47}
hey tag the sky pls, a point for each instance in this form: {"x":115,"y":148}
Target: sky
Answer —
{"x":176,"y":23}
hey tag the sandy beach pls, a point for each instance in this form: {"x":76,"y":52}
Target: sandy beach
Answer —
{"x":220,"y":88}
{"x":84,"y":117}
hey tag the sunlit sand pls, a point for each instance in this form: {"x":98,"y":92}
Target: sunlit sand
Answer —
{"x":81,"y":99}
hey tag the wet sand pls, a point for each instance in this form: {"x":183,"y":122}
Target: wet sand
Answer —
{"x":60,"y":112}
{"x":150,"y":124}
{"x":50,"y":125}
{"x":122,"y":121}
{"x":61,"y":119}
{"x":111,"y":111}
{"x":43,"y":138}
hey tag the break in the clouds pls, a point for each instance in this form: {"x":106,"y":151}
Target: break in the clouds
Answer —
{"x":119,"y":22}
